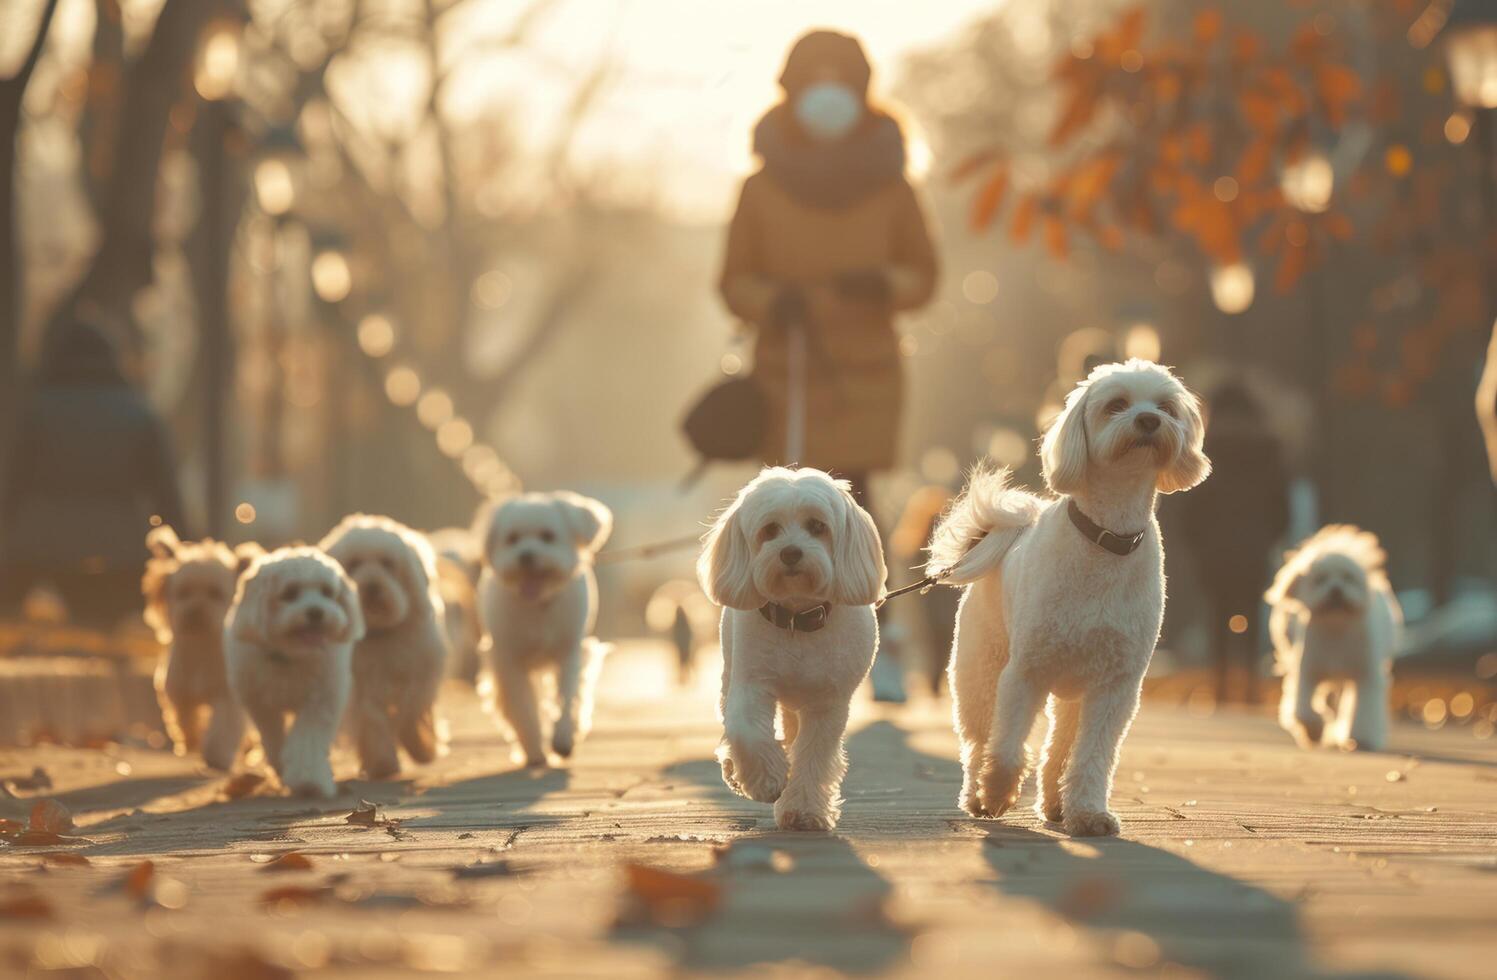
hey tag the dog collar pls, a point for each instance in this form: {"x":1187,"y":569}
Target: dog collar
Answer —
{"x":1119,"y":544}
{"x":808,"y":621}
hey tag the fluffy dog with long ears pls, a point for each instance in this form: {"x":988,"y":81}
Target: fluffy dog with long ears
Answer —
{"x":1335,"y":626}
{"x":538,"y":598}
{"x":797,"y":566}
{"x":188,"y":586}
{"x":399,"y":663}
{"x":1066,"y":595}
{"x":288,"y":643}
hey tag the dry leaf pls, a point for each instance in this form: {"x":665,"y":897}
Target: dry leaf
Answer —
{"x":295,"y":895}
{"x":28,"y":905}
{"x":67,"y":858}
{"x":368,"y":814}
{"x":137,"y":883}
{"x":51,"y":816}
{"x":240,"y":785}
{"x":290,"y":861}
{"x":665,"y":898}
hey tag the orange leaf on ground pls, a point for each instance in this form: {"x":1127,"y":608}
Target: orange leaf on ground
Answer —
{"x":50,"y":816}
{"x":669,"y":899}
{"x":137,"y":883}
{"x":290,"y":861}
{"x":295,"y":895}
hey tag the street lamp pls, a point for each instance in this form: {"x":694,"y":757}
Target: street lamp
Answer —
{"x":1470,"y":40}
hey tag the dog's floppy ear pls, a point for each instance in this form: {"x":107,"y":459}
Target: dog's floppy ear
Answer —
{"x":163,"y":541}
{"x":348,"y":598}
{"x":419,"y":564}
{"x":1064,"y":452}
{"x":725,"y":568}
{"x":1285,"y":587}
{"x":858,"y":569}
{"x":590,"y":520}
{"x":1191,"y":465}
{"x":248,"y":617}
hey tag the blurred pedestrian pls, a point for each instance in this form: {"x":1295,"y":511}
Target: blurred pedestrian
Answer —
{"x":828,"y":243}
{"x":1232,"y":524}
{"x":684,"y":640}
{"x":937,"y":609}
{"x":90,"y":465}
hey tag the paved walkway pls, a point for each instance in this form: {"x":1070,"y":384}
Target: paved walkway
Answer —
{"x":1241,"y":857}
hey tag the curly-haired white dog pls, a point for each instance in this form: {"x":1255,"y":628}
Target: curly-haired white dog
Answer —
{"x":538,"y":598}
{"x":1335,"y":626}
{"x":797,"y":566}
{"x":188,"y":586}
{"x":288,"y":643}
{"x":1067,"y":594}
{"x":399,"y":663}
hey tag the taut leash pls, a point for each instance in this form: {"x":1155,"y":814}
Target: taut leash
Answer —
{"x":649,"y":550}
{"x":923,"y":586}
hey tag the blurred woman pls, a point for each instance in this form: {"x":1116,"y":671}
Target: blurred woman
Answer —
{"x":1232,"y":522}
{"x":828,"y":243}
{"x":90,"y":465}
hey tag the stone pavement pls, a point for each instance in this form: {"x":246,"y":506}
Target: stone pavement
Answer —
{"x":1241,"y":856}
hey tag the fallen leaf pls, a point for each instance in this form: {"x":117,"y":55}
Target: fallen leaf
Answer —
{"x":137,"y":881}
{"x":28,"y":905}
{"x":368,"y":814}
{"x":49,"y":815}
{"x":67,"y":858}
{"x":240,"y":785}
{"x":290,"y":861}
{"x":668,"y":899}
{"x":295,"y":895}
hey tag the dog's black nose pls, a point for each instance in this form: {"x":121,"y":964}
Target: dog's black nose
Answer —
{"x":1147,"y":421}
{"x":527,"y":560}
{"x":791,"y":554}
{"x":314,"y":615}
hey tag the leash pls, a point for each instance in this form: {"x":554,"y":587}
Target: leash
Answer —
{"x":923,"y":586}
{"x":649,"y":550}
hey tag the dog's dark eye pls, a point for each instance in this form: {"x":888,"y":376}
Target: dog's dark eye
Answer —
{"x":1169,"y":409}
{"x":770,"y":531}
{"x":513,"y":539}
{"x":1116,"y":405}
{"x":327,"y":591}
{"x":816,"y":527}
{"x":290,"y":592}
{"x":547,"y":537}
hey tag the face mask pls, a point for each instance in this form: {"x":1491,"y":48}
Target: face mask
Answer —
{"x":828,"y":110}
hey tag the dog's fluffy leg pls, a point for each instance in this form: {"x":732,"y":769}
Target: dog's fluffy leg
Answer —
{"x":374,"y":732}
{"x":517,"y":702}
{"x":812,"y":799}
{"x":1363,"y":713}
{"x":979,"y":651}
{"x":753,"y":760}
{"x":306,"y":769}
{"x":1297,"y":712}
{"x":271,"y":724}
{"x":576,"y":684}
{"x":225,"y":734}
{"x":1007,"y":763}
{"x":1105,"y":716}
{"x":789,"y":725}
{"x":1063,"y":716}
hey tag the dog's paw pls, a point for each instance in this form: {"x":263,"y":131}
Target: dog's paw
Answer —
{"x":998,"y":787}
{"x":792,"y":819}
{"x":971,"y":803}
{"x":1050,"y":811}
{"x":316,"y":787}
{"x":1308,"y":730}
{"x":1099,"y":824}
{"x":562,"y":743}
{"x":766,"y":788}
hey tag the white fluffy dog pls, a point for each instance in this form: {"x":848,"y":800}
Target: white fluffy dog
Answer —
{"x":797,"y":566}
{"x":1335,"y":625}
{"x":188,"y":586}
{"x":1067,"y":594}
{"x":399,"y":663}
{"x":288,"y":643}
{"x":538,"y":598}
{"x":459,"y":565}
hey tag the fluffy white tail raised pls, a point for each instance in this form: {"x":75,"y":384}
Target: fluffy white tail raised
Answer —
{"x":982,"y":524}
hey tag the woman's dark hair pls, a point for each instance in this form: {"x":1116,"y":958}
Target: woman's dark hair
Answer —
{"x":821,"y":49}
{"x":77,"y":351}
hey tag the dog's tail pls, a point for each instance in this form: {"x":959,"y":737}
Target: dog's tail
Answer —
{"x":980,"y":526}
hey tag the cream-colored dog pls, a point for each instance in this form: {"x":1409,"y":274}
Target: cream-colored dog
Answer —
{"x":538,"y":598}
{"x":459,"y":565}
{"x":399,"y":663}
{"x":188,"y":586}
{"x":797,"y":566}
{"x":1335,"y":626}
{"x":1067,"y":594}
{"x":288,"y":643}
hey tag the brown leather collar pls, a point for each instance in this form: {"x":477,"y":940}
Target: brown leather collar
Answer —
{"x":807,"y":621}
{"x":1121,"y":545}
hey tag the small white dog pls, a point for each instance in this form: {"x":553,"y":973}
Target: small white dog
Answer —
{"x":538,"y":598}
{"x":188,"y":586}
{"x":797,"y":566}
{"x":288,"y":643}
{"x":459,"y":565}
{"x":1067,"y":594}
{"x":399,"y":663}
{"x":1335,"y":626}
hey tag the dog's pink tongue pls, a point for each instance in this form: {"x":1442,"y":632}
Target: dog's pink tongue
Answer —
{"x":530,"y":589}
